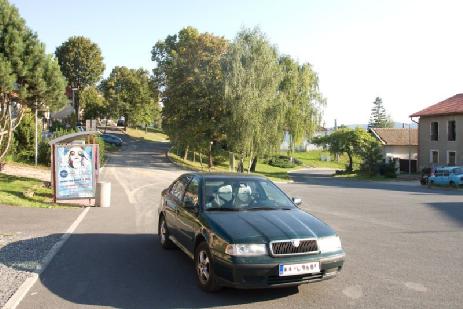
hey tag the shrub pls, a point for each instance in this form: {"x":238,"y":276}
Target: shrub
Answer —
{"x":284,"y":162}
{"x":23,"y":146}
{"x":44,"y":153}
{"x":102,"y":151}
{"x":388,"y":169}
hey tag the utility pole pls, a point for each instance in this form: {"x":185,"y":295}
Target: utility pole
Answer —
{"x":335,"y":129}
{"x":36,"y":133}
{"x":409,"y":151}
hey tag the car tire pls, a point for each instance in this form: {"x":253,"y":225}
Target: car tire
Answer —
{"x":204,"y":268}
{"x":163,"y":234}
{"x":430,"y":183}
{"x":453,"y":185}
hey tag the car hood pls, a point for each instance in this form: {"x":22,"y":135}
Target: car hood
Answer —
{"x":262,"y":226}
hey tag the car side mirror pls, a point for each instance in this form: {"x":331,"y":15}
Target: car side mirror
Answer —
{"x":297,"y":201}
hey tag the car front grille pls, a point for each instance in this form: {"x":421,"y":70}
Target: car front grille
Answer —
{"x":294,"y":247}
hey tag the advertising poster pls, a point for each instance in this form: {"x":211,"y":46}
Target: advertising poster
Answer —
{"x":75,"y":171}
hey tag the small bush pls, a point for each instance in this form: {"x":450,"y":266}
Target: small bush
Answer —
{"x":284,"y":162}
{"x":44,"y":153}
{"x":23,"y":146}
{"x":388,"y":169}
{"x":102,"y":154}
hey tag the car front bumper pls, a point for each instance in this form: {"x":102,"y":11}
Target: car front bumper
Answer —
{"x":254,"y":276}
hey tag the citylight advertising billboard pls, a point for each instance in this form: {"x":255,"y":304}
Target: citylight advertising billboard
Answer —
{"x":75,"y":171}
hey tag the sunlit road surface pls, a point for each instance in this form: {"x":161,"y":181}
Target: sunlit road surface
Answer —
{"x":403,"y":242}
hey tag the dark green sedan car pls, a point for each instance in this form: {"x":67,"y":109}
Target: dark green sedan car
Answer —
{"x":243,"y":231}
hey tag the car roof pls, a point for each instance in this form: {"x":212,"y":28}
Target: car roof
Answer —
{"x":447,"y":167}
{"x":209,"y":175}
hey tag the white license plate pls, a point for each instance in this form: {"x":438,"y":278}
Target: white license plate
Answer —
{"x":299,"y":269}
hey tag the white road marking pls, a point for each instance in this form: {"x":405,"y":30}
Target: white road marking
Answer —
{"x":416,"y":286}
{"x":354,"y":292}
{"x":22,"y":291}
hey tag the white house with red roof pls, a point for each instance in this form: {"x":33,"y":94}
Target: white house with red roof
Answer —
{"x":399,"y":145}
{"x":440,"y":133}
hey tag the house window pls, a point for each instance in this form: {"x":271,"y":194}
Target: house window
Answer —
{"x":451,"y":158}
{"x":451,"y":130}
{"x":434,"y":157}
{"x":434,"y":131}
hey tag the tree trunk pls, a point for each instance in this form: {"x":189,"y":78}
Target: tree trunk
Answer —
{"x":194,"y":156}
{"x":126,"y":121}
{"x":185,"y":154}
{"x":77,"y":104}
{"x":210,"y":163}
{"x":350,"y":168}
{"x":253,"y":164}
{"x":231,"y":161}
{"x":201,"y":160}
{"x":240,"y":167}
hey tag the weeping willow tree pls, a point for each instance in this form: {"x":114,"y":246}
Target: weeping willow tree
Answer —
{"x":252,"y":76}
{"x":302,"y":101}
{"x":29,"y":78}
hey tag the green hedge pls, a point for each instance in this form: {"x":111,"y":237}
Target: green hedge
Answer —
{"x":284,"y":162}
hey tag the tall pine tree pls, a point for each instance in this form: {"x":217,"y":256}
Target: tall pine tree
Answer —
{"x":378,"y":117}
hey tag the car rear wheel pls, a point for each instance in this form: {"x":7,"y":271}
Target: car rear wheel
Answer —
{"x":204,"y":268}
{"x":453,"y":184}
{"x":163,"y":233}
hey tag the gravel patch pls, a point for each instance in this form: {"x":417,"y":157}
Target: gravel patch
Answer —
{"x":20,"y":255}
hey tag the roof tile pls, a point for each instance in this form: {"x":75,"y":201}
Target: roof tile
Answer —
{"x":453,"y":105}
{"x":397,"y":137}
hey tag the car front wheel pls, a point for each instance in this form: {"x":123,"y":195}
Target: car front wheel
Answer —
{"x":163,"y":233}
{"x":204,"y":269}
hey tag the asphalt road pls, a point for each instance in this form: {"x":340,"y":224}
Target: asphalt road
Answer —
{"x":403,"y":242}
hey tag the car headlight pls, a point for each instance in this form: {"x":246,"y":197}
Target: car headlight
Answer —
{"x":329,"y":244}
{"x":246,"y":249}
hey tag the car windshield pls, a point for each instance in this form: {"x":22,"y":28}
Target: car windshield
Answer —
{"x":243,"y":194}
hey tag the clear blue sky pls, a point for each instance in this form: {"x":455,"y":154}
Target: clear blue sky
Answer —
{"x":410,"y":53}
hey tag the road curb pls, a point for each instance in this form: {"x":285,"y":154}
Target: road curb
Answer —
{"x":22,"y":291}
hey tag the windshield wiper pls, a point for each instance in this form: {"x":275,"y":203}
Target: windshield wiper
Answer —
{"x":222,"y":209}
{"x":267,"y":208}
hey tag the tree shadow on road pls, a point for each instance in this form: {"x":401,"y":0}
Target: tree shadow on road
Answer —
{"x":452,"y":210}
{"x":126,"y":271}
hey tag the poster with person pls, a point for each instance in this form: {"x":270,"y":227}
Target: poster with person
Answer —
{"x":75,"y":171}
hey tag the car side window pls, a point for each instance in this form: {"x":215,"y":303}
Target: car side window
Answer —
{"x":179,"y":188}
{"x":192,"y":192}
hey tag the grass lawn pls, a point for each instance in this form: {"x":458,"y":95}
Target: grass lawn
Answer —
{"x":313,"y":159}
{"x":274,"y":173}
{"x":17,"y":191}
{"x":151,"y":134}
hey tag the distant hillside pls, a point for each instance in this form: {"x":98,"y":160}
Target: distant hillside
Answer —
{"x":396,"y":125}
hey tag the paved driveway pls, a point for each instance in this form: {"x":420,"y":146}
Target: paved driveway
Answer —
{"x":403,"y":248}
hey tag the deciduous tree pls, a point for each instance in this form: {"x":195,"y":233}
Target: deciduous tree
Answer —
{"x":252,"y":76}
{"x":131,"y":93}
{"x":93,"y":103}
{"x":301,"y":99}
{"x":81,"y":62}
{"x":189,"y":75}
